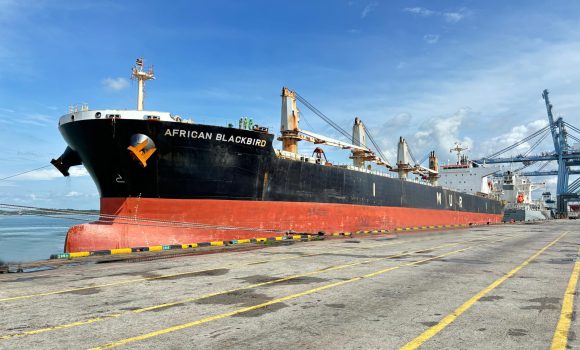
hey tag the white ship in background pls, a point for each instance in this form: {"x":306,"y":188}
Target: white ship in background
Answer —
{"x":513,"y":189}
{"x":516,"y":191}
{"x":467,"y":176}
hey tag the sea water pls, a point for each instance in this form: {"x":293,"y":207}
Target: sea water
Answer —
{"x":27,"y":238}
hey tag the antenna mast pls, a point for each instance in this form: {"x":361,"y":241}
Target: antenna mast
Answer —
{"x":141,"y":76}
{"x":458,"y":149}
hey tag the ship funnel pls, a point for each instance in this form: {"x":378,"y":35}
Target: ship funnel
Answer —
{"x":66,"y":160}
{"x":433,"y":162}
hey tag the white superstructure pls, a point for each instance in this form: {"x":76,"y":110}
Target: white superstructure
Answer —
{"x":466,"y":178}
{"x":516,"y":188}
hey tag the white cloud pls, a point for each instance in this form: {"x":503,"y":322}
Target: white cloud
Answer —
{"x":431,"y":38}
{"x":115,"y":84}
{"x":368,"y":9}
{"x":36,"y":119}
{"x":453,"y":17}
{"x":450,"y":17}
{"x":442,"y":132}
{"x":516,"y":134}
{"x":421,"y":11}
{"x":73,"y":194}
{"x":400,"y":120}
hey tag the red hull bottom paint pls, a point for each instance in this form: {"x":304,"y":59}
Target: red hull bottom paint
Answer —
{"x":129,"y":228}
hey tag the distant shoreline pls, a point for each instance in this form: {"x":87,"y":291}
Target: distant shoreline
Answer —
{"x":63,"y":212}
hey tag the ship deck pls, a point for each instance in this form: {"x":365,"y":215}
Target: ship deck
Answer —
{"x":501,"y":286}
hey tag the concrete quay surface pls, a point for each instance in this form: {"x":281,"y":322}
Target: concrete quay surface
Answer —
{"x":486,"y":287}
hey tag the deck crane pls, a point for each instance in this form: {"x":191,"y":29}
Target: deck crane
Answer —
{"x":291,"y":134}
{"x":566,"y":156}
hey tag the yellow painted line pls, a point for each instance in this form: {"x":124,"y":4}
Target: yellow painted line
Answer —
{"x":245,"y":240}
{"x":447,"y":320}
{"x":279,"y":238}
{"x":63,"y":291}
{"x":216,"y":243}
{"x":274,"y":301}
{"x":101,"y":285}
{"x":155,"y":248}
{"x":560,"y":340}
{"x":399,"y":229}
{"x":262,"y":305}
{"x":74,"y":324}
{"x":188,"y":300}
{"x":121,"y":251}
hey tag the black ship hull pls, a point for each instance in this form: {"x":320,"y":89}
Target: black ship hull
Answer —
{"x":217,"y":176}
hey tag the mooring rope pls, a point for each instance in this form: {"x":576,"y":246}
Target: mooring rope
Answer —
{"x":125,"y":220}
{"x":24,"y":172}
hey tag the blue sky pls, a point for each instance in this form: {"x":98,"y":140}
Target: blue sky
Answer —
{"x":433,"y":72}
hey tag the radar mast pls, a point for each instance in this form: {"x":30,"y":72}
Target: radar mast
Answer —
{"x":141,"y":75}
{"x":458,"y":149}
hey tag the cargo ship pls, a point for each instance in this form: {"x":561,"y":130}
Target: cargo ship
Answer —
{"x":517,"y":193}
{"x":166,"y":180}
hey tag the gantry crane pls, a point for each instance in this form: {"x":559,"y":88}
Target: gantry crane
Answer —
{"x":566,"y":156}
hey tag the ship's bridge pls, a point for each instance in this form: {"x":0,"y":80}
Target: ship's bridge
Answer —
{"x":86,"y":114}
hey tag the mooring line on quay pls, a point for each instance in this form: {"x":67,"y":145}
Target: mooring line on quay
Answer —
{"x":450,"y":318}
{"x":282,"y":299}
{"x":188,"y":300}
{"x":560,"y":339}
{"x":143,"y":279}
